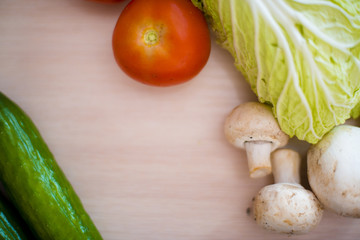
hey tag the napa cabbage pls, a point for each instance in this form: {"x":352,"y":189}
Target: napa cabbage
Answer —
{"x":300,"y":56}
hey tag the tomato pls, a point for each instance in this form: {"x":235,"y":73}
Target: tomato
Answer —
{"x":161,"y":43}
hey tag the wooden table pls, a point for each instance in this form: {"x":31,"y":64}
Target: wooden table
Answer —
{"x":148,"y":163}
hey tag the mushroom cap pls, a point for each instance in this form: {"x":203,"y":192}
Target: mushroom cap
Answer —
{"x":287,"y":208}
{"x":253,"y":121}
{"x":334,"y":170}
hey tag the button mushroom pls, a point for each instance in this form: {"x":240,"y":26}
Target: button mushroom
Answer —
{"x":286,"y":206}
{"x":334,"y":170}
{"x":252,"y":126}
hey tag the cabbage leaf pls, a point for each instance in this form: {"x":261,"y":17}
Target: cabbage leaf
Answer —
{"x":300,"y":56}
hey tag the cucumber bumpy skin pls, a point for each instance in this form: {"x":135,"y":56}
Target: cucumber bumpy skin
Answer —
{"x":35,"y":183}
{"x":12,"y":226}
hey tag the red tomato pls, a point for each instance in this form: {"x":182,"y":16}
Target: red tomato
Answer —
{"x":161,"y":43}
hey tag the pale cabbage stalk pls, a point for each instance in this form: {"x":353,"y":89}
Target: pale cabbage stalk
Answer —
{"x":300,"y":56}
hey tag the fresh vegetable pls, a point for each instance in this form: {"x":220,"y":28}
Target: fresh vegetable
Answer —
{"x":12,"y":226}
{"x":161,"y":43}
{"x":34,"y":181}
{"x":286,"y":206}
{"x":300,"y":56}
{"x":252,"y":126}
{"x":333,"y":170}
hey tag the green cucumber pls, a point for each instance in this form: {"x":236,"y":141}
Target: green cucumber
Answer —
{"x":12,"y":226}
{"x":34,"y":181}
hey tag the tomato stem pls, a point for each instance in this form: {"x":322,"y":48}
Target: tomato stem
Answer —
{"x":151,"y":37}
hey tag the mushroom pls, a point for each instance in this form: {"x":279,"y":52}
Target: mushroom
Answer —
{"x":286,"y":206}
{"x":252,"y":126}
{"x":334,"y":170}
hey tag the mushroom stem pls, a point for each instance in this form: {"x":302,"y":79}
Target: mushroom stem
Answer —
{"x":286,"y":166}
{"x":258,"y":156}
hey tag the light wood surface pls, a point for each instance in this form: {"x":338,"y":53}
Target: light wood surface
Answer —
{"x":148,"y":163}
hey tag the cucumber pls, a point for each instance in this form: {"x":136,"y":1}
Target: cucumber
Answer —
{"x":34,"y":181}
{"x":12,"y":226}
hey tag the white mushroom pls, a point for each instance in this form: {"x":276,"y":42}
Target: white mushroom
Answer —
{"x":286,"y":206}
{"x":334,"y":170}
{"x":252,"y":126}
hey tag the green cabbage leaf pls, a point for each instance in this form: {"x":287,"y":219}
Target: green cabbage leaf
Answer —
{"x":300,"y":56}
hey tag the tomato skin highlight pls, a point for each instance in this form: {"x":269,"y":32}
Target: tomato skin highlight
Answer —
{"x":161,"y":43}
